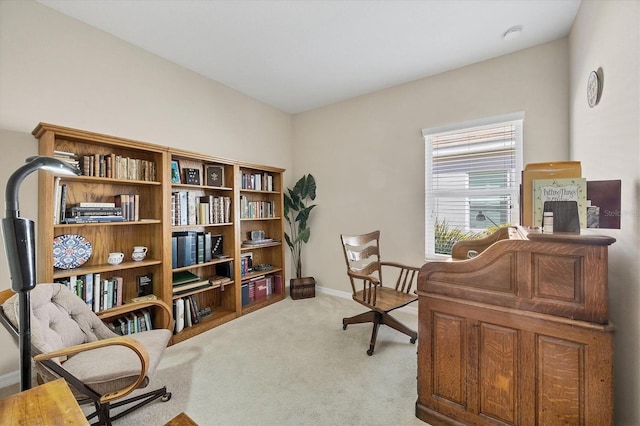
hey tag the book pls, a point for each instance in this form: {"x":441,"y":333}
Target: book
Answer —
{"x":94,"y":211}
{"x":560,"y":189}
{"x":88,"y":295}
{"x":187,"y":313}
{"x":604,"y":196}
{"x":192,"y":286}
{"x":147,"y":317}
{"x":216,"y":245}
{"x":96,"y":205}
{"x":184,"y":277}
{"x":97,"y":292}
{"x":63,"y":202}
{"x":144,"y":284}
{"x":534,"y":171}
{"x":56,"y":200}
{"x":182,"y":292}
{"x":93,"y":219}
{"x":178,"y":314}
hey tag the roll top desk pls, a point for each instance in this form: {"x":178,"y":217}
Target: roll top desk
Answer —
{"x":517,"y":335}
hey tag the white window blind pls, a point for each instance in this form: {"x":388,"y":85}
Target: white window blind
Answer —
{"x":472,"y":180}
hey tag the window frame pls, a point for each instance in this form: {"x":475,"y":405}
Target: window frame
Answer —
{"x":516,"y":119}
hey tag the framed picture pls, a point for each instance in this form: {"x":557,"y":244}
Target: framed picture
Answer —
{"x":175,"y":171}
{"x":215,"y":175}
{"x":191,"y":176}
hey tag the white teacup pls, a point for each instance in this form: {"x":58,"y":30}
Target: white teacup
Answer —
{"x":139,"y":253}
{"x":115,"y":258}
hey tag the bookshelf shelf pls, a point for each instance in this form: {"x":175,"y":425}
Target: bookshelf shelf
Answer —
{"x":95,"y":224}
{"x":259,"y":246}
{"x":170,"y":171}
{"x":217,"y":318}
{"x":105,"y":267}
{"x":212,"y":287}
{"x":259,"y":304}
{"x":113,"y":181}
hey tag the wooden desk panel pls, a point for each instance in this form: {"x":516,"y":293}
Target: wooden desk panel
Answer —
{"x":48,"y":404}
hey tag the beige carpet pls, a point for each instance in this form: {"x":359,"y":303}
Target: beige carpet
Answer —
{"x":290,"y":364}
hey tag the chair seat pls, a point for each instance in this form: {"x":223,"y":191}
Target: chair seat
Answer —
{"x":114,"y":367}
{"x":388,"y":299}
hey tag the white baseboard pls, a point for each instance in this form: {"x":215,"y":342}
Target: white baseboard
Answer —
{"x":10,"y":379}
{"x":345,"y":295}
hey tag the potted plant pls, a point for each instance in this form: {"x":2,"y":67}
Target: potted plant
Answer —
{"x":297,"y":208}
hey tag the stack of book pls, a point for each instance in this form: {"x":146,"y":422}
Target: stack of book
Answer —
{"x":93,"y":212}
{"x":68,"y":157}
{"x":187,"y":282}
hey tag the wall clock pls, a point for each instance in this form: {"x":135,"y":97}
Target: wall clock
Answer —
{"x":593,"y":89}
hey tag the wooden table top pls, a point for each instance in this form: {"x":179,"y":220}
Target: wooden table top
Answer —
{"x":47,"y":404}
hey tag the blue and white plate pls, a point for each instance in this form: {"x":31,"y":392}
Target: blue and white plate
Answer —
{"x":70,"y":251}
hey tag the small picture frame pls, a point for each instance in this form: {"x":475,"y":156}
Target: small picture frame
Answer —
{"x":214,"y":175}
{"x":175,"y":171}
{"x":191,"y":176}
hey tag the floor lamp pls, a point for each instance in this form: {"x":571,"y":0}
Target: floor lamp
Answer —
{"x":20,"y":246}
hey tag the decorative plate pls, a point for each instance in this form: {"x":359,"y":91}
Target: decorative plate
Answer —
{"x":70,"y":251}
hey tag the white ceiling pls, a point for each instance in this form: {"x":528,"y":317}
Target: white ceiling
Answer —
{"x":300,"y":55}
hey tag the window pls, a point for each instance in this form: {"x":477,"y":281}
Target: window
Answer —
{"x":472,"y":180}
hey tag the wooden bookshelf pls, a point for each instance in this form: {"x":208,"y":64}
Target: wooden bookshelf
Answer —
{"x":154,"y":181}
{"x":262,"y":188}
{"x":104,"y":237}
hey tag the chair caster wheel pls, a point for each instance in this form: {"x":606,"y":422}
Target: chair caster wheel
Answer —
{"x":165,"y":397}
{"x":413,"y":340}
{"x":369,"y":352}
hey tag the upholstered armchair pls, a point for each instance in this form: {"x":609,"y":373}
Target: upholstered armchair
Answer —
{"x":69,"y":340}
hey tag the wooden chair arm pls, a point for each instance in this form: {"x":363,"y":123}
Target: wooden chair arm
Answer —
{"x":119,"y":311}
{"x":127,"y":342}
{"x":407,"y":276}
{"x":400,"y":265}
{"x":365,"y":277}
{"x":5,"y":295}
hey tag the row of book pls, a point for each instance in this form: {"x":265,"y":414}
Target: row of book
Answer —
{"x":257,"y":181}
{"x":187,"y":312}
{"x":188,"y":208}
{"x":256,"y":209}
{"x":260,"y":287}
{"x":97,"y":292}
{"x":193,"y":247}
{"x":246,"y":263}
{"x":110,"y":166}
{"x":132,"y":323}
{"x":118,"y":167}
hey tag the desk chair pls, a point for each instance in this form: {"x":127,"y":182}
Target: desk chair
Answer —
{"x":364,"y":268}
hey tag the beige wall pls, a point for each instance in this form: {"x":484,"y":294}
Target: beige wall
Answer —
{"x":367,"y":153}
{"x":55,"y":69}
{"x":606,"y":139}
